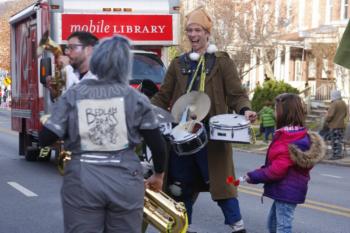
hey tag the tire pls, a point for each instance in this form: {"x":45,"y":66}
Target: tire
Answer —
{"x":32,"y":154}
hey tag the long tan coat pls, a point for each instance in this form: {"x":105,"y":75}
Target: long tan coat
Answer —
{"x":336,"y":114}
{"x":225,"y":91}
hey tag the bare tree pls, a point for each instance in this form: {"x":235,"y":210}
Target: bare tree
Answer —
{"x":8,"y":9}
{"x":324,"y":53}
{"x":248,"y":27}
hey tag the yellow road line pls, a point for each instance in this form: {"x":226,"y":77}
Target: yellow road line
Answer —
{"x":326,"y":205}
{"x":316,"y":205}
{"x":259,"y":190}
{"x":336,"y":212}
{"x":249,"y":192}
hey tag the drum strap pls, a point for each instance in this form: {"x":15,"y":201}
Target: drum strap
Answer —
{"x":186,"y":67}
{"x":200,"y":66}
{"x":203,"y":68}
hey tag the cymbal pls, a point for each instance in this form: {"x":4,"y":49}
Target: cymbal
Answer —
{"x":198,"y":104}
{"x":163,"y":116}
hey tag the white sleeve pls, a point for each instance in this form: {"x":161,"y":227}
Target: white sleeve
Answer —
{"x":71,"y":77}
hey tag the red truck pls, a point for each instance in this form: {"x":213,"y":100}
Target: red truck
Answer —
{"x":151,"y":25}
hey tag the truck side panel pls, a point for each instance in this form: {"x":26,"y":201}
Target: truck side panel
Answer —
{"x":24,"y":87}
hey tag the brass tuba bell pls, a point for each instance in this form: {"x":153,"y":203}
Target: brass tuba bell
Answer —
{"x":165,"y":214}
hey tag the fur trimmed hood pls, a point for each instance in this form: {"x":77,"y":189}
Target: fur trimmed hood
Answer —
{"x":307,"y":159}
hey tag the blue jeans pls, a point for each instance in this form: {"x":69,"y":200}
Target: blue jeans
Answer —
{"x":184,"y":170}
{"x":281,"y":217}
{"x":230,"y":209}
{"x":268,"y":131}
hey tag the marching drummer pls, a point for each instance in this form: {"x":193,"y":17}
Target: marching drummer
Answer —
{"x":101,"y":121}
{"x":207,"y":70}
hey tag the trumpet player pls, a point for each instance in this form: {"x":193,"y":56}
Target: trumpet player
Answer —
{"x":101,"y":121}
{"x":76,"y":60}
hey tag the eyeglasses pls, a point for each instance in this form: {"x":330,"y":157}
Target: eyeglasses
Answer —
{"x":72,"y":47}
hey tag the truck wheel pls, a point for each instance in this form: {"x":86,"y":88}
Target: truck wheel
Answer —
{"x":32,"y":154}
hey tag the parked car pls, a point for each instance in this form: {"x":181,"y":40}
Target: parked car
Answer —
{"x":147,"y":72}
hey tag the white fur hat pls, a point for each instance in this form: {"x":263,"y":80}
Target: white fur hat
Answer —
{"x":335,"y":95}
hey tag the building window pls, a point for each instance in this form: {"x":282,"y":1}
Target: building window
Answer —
{"x":329,"y":11}
{"x":325,"y":69}
{"x":344,"y":9}
{"x":277,"y":11}
{"x":315,"y":13}
{"x":301,"y":15}
{"x":312,"y":69}
{"x":298,"y":70}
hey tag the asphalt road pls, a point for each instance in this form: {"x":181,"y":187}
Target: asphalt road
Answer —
{"x":30,"y":199}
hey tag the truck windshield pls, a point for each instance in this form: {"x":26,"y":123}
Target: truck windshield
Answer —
{"x":147,"y":66}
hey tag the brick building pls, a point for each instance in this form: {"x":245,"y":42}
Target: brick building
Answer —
{"x":305,"y":51}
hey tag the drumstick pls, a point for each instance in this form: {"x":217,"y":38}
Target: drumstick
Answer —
{"x":190,"y":126}
{"x":185,"y":114}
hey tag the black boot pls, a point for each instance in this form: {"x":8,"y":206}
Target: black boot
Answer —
{"x":240,"y":231}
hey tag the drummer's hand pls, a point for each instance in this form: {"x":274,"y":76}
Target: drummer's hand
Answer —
{"x":250,"y":115}
{"x":193,"y":116}
{"x":155,"y":182}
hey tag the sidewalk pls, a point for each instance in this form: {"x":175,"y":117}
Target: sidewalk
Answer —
{"x":260,"y":148}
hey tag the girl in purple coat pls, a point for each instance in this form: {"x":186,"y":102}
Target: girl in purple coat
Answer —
{"x":292,"y":153}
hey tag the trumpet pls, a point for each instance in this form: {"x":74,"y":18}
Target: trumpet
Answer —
{"x":58,"y":81}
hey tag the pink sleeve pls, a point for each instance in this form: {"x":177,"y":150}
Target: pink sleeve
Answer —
{"x":279,"y":166}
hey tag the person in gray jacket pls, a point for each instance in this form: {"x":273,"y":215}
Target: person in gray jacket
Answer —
{"x":335,"y":120}
{"x":101,"y":122}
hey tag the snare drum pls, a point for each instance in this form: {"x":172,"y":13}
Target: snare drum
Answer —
{"x":230,"y":128}
{"x":188,"y":141}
